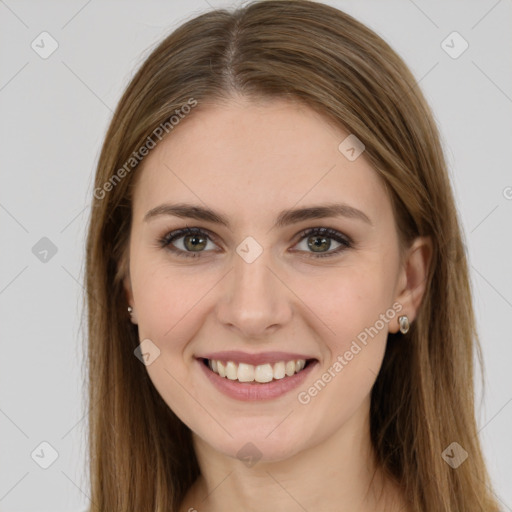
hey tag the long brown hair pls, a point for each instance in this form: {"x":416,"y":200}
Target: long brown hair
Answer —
{"x":141,"y":454}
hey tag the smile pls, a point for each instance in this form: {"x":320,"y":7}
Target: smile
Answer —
{"x":252,"y":382}
{"x":262,"y":373}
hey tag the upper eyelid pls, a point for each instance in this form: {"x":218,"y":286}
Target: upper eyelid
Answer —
{"x":193,"y":230}
{"x":176,"y":234}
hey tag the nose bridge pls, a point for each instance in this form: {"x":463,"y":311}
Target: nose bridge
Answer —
{"x":253,"y":299}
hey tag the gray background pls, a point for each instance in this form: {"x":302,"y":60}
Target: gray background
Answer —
{"x":54,"y":114}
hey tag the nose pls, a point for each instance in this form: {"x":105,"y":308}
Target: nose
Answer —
{"x":254,"y":299}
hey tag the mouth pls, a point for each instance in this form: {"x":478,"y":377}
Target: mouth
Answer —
{"x":264,"y":381}
{"x":257,"y":374}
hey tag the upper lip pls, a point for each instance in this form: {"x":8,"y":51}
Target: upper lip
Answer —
{"x":254,"y":359}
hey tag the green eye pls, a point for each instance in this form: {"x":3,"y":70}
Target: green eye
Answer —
{"x":194,"y":241}
{"x":319,"y":244}
{"x":319,"y":241}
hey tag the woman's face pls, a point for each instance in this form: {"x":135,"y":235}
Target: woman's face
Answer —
{"x":256,"y":285}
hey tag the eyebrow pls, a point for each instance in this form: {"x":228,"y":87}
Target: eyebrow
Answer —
{"x":285,"y":217}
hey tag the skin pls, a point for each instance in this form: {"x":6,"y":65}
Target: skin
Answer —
{"x":249,"y":160}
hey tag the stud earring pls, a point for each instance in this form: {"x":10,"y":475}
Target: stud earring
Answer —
{"x":404,"y":324}
{"x":130,"y":310}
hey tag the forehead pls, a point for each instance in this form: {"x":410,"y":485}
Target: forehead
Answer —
{"x":245,"y":158}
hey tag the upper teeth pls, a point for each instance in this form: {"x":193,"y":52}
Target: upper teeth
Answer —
{"x":262,"y":373}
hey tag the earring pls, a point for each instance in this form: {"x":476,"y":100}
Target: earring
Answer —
{"x":404,"y":324}
{"x":130,"y":310}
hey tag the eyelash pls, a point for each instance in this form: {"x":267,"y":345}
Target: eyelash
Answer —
{"x":346,"y":243}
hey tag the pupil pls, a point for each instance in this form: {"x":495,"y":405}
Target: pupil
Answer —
{"x":198,"y":242}
{"x":324,"y":243}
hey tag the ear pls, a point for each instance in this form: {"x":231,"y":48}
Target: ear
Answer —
{"x":129,"y":298}
{"x":413,"y":279}
{"x":124,"y":267}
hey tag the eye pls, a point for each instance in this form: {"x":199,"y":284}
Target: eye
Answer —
{"x":187,"y":242}
{"x":191,"y":242}
{"x":317,"y":241}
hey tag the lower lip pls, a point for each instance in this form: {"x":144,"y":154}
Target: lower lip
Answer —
{"x":247,"y":391}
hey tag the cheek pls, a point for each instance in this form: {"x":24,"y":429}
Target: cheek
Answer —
{"x":348,"y":302}
{"x":356,"y":306}
{"x":170,"y":303}
{"x":167,"y":298}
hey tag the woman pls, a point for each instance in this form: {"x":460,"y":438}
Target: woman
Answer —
{"x":279,"y":306}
